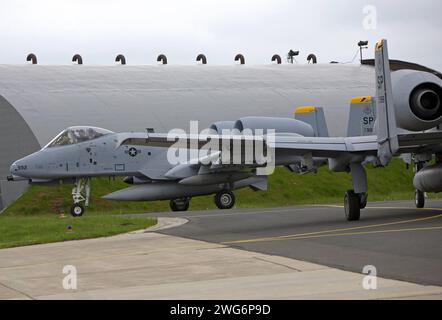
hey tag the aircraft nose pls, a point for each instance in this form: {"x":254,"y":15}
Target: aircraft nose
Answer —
{"x":14,"y":168}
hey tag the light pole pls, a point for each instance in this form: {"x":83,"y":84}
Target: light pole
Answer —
{"x":362,"y":45}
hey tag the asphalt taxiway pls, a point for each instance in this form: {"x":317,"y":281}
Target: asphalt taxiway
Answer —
{"x":304,"y":252}
{"x":402,"y":242}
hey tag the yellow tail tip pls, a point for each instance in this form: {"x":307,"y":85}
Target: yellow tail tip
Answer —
{"x":362,"y":99}
{"x":305,"y":109}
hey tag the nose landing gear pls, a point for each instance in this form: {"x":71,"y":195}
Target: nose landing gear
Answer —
{"x":80,"y":193}
{"x":77,"y":210}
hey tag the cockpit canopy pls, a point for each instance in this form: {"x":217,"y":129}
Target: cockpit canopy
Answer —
{"x":73,"y":135}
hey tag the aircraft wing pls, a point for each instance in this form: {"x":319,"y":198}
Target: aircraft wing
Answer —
{"x":430,"y":141}
{"x":289,"y":145}
{"x":420,"y":142}
{"x":326,"y":147}
{"x":315,"y":144}
{"x":190,"y":141}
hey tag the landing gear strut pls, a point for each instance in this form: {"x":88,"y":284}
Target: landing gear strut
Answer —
{"x":225,"y":199}
{"x":363,"y":197}
{"x":355,"y":200}
{"x":80,"y":193}
{"x":181,"y":204}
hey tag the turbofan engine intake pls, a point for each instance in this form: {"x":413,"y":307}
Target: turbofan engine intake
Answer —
{"x":417,"y":99}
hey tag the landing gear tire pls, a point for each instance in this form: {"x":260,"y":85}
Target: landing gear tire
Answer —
{"x":225,"y":200}
{"x":419,"y":199}
{"x":77,"y":210}
{"x":352,"y":206}
{"x":179,"y":204}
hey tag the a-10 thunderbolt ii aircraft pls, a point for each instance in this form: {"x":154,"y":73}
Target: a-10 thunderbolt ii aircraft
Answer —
{"x":408,"y":115}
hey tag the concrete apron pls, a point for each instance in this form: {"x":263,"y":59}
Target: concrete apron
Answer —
{"x":149,"y":265}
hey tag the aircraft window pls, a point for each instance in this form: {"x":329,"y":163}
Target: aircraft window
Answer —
{"x":62,"y":139}
{"x":76,"y":135}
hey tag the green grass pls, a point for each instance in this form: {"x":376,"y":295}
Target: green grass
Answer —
{"x":26,"y":230}
{"x":34,"y":217}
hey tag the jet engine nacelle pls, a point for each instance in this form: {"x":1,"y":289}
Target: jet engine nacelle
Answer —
{"x":429,"y":179}
{"x":219,"y":126}
{"x":417,"y":99}
{"x":280,"y":125}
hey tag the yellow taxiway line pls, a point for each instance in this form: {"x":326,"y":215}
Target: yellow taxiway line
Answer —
{"x":325,"y":233}
{"x":336,"y":235}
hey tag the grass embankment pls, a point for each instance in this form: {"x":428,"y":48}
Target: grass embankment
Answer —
{"x":34,"y":218}
{"x":26,"y":230}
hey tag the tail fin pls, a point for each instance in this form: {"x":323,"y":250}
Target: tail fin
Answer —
{"x":314,"y":116}
{"x":387,"y":130}
{"x":362,"y":117}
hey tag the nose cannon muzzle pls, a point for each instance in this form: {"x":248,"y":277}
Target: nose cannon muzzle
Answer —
{"x":13,"y":169}
{"x":14,"y":176}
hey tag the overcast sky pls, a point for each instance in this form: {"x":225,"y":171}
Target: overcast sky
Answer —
{"x":101,"y":29}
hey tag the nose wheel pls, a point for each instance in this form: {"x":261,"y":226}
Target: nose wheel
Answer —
{"x":225,"y":199}
{"x":77,"y":210}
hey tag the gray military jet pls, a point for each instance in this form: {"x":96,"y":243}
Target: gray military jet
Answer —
{"x":79,"y":153}
{"x":408,"y":111}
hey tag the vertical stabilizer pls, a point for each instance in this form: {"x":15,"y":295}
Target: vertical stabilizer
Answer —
{"x":387,"y":129}
{"x":362,"y":117}
{"x":315,"y":117}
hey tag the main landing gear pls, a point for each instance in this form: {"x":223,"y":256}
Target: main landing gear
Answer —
{"x":180,"y":204}
{"x":353,"y":203}
{"x":355,"y":200}
{"x":225,"y":199}
{"x":80,"y":193}
{"x":419,"y":196}
{"x":419,"y":199}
